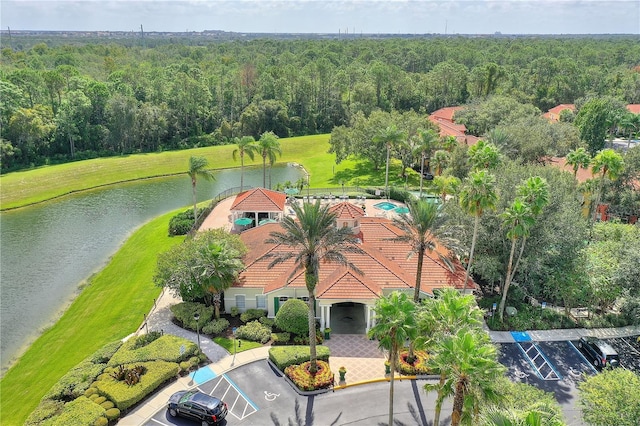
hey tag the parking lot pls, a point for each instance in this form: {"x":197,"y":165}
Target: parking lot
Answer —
{"x":557,"y":367}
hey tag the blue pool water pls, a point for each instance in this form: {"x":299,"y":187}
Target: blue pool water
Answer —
{"x":386,"y":206}
{"x":401,"y":210}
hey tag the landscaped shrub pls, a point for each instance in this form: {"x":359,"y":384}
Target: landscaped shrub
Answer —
{"x":216,"y":327}
{"x":107,"y":404}
{"x":99,"y":400}
{"x":269,"y":322}
{"x":234,"y":311}
{"x":166,"y":348}
{"x":79,"y":412}
{"x":299,"y":374}
{"x":303,"y":339}
{"x":293,"y":316}
{"x":112,"y":413}
{"x":399,"y":194}
{"x":124,"y":396}
{"x":184,"y":314}
{"x":104,"y":354}
{"x":46,"y":409}
{"x":182,"y":223}
{"x":75,"y":382}
{"x":284,"y":356}
{"x":145,"y":339}
{"x":630,"y":310}
{"x":280,"y":338}
{"x":102,"y":421}
{"x":251,"y":314}
{"x":254,"y":331}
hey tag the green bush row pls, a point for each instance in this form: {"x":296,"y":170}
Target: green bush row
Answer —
{"x":182,"y":223}
{"x":280,"y":338}
{"x":216,"y":327}
{"x":166,"y":348}
{"x":254,"y":331}
{"x":75,"y":382}
{"x":184,"y":314}
{"x":125,"y":396}
{"x":46,"y":409}
{"x":79,"y":412}
{"x":269,"y":322}
{"x":252,"y":314}
{"x":284,"y":356}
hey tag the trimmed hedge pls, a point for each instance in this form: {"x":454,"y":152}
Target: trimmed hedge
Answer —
{"x":280,"y":338}
{"x":76,"y":382}
{"x":125,"y":396}
{"x":46,"y":409}
{"x":104,"y":354}
{"x":284,"y":356}
{"x":184,"y":314}
{"x":269,"y":322}
{"x":79,"y":412}
{"x":216,"y":327}
{"x":293,"y":317}
{"x":254,"y":331}
{"x":299,"y":374}
{"x":166,"y":348}
{"x":252,"y":314}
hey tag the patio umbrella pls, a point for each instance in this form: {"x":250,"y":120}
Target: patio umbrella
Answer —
{"x":244,"y":221}
{"x":291,"y":191}
{"x":263,"y":221}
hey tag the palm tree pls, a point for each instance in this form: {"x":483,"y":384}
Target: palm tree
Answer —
{"x":449,"y":143}
{"x":609,"y":164}
{"x":478,"y":194}
{"x":198,"y":168}
{"x":631,"y":123}
{"x":484,"y":155}
{"x":427,"y":141}
{"x":470,"y":362}
{"x":440,"y":160}
{"x":518,"y":219}
{"x":440,"y":318}
{"x":446,"y":185}
{"x":395,"y":324}
{"x":268,"y":146}
{"x":312,"y":239}
{"x":578,"y":158}
{"x":245,"y":146}
{"x":534,"y":192}
{"x":390,"y":136}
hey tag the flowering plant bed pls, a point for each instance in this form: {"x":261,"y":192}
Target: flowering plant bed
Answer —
{"x":305,"y":381}
{"x":419,"y":366}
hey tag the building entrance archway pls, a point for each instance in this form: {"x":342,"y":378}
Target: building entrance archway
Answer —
{"x":348,"y":318}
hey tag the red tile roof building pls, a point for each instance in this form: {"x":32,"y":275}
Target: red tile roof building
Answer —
{"x":444,"y":119}
{"x":384,"y":264}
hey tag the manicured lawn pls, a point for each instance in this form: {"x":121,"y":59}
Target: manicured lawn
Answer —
{"x":241,"y":345}
{"x":32,"y":186}
{"x":110,"y":307}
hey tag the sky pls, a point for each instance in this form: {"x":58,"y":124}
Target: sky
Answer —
{"x":328,"y":16}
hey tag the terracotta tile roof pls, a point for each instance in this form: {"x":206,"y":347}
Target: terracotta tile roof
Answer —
{"x":384,"y":264}
{"x":346,"y":210}
{"x":259,"y":200}
{"x":634,"y":108}
{"x":554,"y":113}
{"x":561,"y":162}
{"x":446,"y":113}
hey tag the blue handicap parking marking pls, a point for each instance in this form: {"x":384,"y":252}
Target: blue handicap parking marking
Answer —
{"x":203,"y":375}
{"x":521,"y":336}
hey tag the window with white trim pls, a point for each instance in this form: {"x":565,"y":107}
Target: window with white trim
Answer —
{"x":240,"y":302}
{"x":261,"y":302}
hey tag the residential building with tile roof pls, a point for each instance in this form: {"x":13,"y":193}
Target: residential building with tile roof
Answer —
{"x":382,"y":266}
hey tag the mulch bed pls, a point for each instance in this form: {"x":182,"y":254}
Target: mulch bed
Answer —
{"x":629,"y":350}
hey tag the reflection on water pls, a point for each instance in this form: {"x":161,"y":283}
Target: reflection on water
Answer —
{"x":47,"y":250}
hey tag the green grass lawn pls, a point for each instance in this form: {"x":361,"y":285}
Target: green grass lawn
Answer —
{"x":44,"y":183}
{"x":109,"y":308}
{"x":241,"y":345}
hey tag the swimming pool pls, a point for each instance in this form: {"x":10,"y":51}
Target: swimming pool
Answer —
{"x":386,"y":206}
{"x":401,"y":210}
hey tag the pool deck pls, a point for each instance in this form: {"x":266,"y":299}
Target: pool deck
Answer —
{"x":220,"y":217}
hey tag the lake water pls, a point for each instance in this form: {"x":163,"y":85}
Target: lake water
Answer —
{"x":48,"y":250}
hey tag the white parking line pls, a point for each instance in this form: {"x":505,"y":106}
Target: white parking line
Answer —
{"x":582,"y":356}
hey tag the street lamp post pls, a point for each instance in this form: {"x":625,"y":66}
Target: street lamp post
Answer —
{"x":196,"y":317}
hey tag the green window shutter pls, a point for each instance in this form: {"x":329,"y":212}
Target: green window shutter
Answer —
{"x":276,"y":305}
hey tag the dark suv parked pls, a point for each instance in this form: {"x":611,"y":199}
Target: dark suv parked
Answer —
{"x":197,"y":406}
{"x":600,"y":352}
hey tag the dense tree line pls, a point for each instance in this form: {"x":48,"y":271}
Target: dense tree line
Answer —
{"x":73,"y":99}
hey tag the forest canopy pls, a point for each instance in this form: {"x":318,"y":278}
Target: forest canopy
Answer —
{"x":75,"y":98}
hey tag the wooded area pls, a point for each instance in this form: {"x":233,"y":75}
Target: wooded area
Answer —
{"x":75,"y":98}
